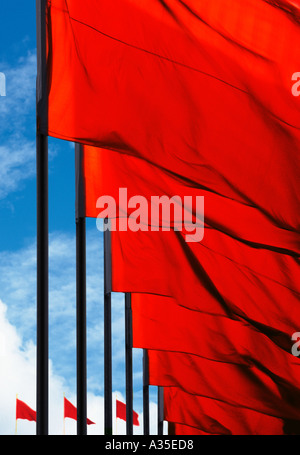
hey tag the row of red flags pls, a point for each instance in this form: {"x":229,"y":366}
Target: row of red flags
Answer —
{"x":25,"y":412}
{"x":194,"y":98}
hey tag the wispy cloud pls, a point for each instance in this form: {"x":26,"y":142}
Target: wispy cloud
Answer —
{"x":17,"y":157}
{"x":18,"y":125}
{"x":17,"y":108}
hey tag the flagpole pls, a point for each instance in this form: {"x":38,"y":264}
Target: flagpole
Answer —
{"x":108,"y":422}
{"x":160,"y":410}
{"x":116,"y":414}
{"x":42,"y":223}
{"x":16,"y":425}
{"x":146,"y":393}
{"x":171,"y":429}
{"x":129,"y":384}
{"x":80,"y":296}
{"x":64,"y":423}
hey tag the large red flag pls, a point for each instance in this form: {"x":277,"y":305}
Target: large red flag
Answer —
{"x":212,"y":416}
{"x":217,"y":276}
{"x":197,"y":96}
{"x":70,"y":411}
{"x":178,"y":329}
{"x":121,"y":413}
{"x":248,"y":386}
{"x":200,"y":89}
{"x":106,"y":172}
{"x":23,"y":411}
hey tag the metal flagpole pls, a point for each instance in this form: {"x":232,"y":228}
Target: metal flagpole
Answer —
{"x":64,"y":419}
{"x":16,"y":425}
{"x":171,"y":429}
{"x":81,"y":296}
{"x":160,"y":410}
{"x":129,"y":383}
{"x":107,"y":332}
{"x":42,"y":224}
{"x":146,"y":393}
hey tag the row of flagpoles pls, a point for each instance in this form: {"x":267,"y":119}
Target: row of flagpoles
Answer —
{"x":25,"y":412}
{"x":198,"y":109}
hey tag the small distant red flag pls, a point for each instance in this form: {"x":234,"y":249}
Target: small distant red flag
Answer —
{"x":23,"y":411}
{"x":121,"y":413}
{"x":70,"y":411}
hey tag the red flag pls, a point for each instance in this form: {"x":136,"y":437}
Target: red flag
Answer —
{"x":70,"y":411}
{"x":241,"y":109}
{"x":196,"y":94}
{"x":121,"y":413}
{"x":23,"y":411}
{"x":218,"y":276}
{"x":257,"y":388}
{"x":216,"y":417}
{"x":105,"y":172}
{"x":179,"y":329}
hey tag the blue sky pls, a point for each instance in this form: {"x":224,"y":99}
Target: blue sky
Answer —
{"x":18,"y":254}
